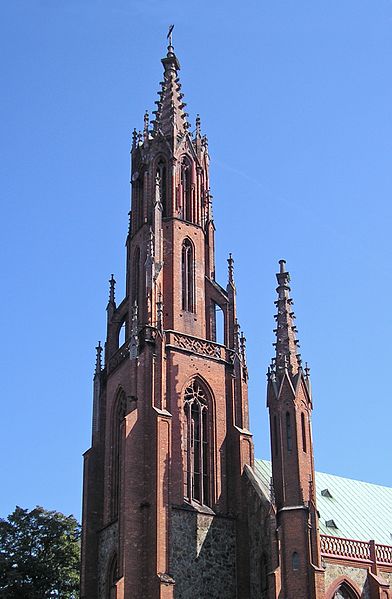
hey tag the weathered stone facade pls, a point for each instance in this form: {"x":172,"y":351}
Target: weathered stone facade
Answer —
{"x":107,"y":548}
{"x":357,"y":575}
{"x":203,"y":555}
{"x":258,"y":513}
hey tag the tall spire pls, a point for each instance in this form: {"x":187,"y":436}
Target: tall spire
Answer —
{"x":287,"y":356}
{"x":170,"y":117}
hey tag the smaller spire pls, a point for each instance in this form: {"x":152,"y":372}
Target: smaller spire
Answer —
{"x":112,"y":289}
{"x":287,"y":357}
{"x":98,"y":358}
{"x":230,"y":262}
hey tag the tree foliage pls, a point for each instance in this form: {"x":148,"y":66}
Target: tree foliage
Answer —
{"x":39,"y":555}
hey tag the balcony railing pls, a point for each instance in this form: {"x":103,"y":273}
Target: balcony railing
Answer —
{"x":367,"y":552}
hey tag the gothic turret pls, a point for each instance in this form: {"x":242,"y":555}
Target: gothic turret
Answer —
{"x":171,"y":433}
{"x":290,"y":405}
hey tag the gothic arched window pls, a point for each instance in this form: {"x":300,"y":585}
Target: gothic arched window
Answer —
{"x":135,"y":277}
{"x":303,"y":428}
{"x":161,"y":184}
{"x":137,"y":205}
{"x":118,"y":416}
{"x":295,"y":561}
{"x":112,"y":579}
{"x":288,"y":432}
{"x":345,"y":592}
{"x":186,"y":189}
{"x":188,"y":276}
{"x":276,"y":439}
{"x":196,"y":445}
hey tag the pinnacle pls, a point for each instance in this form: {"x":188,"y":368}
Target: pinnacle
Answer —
{"x":170,"y":117}
{"x":286,"y":345}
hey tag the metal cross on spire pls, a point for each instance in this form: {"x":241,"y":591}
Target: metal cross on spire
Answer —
{"x":170,"y":34}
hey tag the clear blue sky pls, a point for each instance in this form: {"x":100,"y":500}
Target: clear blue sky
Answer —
{"x":296,"y":99}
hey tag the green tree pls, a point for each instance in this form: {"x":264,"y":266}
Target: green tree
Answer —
{"x":39,"y":555}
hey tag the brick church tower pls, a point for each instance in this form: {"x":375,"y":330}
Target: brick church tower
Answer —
{"x":163,"y":513}
{"x":296,"y":563}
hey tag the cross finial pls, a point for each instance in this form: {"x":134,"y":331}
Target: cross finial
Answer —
{"x":170,"y":36}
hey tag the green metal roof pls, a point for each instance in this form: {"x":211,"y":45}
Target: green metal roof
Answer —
{"x":361,"y":511}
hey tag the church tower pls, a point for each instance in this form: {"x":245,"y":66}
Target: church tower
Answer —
{"x":297,"y":571}
{"x":162,"y":503}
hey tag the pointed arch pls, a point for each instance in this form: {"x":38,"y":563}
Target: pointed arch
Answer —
{"x":161,"y":180}
{"x":111,"y":578}
{"x":343,"y":588}
{"x":135,"y":274}
{"x":188,"y":275}
{"x":303,"y":431}
{"x":289,"y":434}
{"x":198,"y":408}
{"x":117,"y":419}
{"x":186,"y":188}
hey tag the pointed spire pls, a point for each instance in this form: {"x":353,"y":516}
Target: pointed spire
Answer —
{"x":170,"y":117}
{"x":98,"y":358}
{"x":287,"y":356}
{"x":112,"y":287}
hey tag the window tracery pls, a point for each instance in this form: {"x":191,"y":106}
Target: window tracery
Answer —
{"x":161,"y":185}
{"x":196,"y":445}
{"x":188,"y":276}
{"x":186,"y":188}
{"x":119,"y":413}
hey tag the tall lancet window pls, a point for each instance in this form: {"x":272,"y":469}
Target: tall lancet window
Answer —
{"x":161,"y":185}
{"x":186,"y":189}
{"x":118,"y":415}
{"x":188,"y":276}
{"x":196,"y":445}
{"x":135,"y":277}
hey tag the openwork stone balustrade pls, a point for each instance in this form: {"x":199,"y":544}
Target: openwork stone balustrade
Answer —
{"x":201,"y":347}
{"x":359,"y":551}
